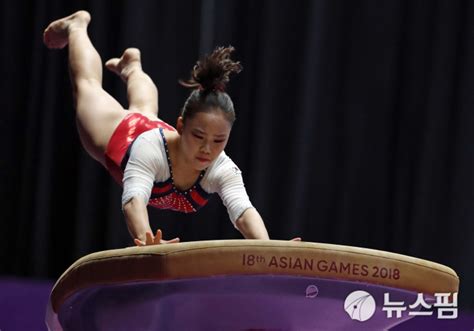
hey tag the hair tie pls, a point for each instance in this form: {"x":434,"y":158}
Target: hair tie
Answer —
{"x":219,"y":87}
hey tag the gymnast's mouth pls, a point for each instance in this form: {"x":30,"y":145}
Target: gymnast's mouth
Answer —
{"x":202,"y":159}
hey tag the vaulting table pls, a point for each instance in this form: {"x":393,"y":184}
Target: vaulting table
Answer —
{"x":246,"y":285}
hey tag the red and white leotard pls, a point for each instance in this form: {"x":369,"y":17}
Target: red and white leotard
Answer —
{"x":147,"y":174}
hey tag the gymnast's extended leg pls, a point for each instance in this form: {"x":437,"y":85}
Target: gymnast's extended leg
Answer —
{"x":97,"y":112}
{"x":141,"y":91}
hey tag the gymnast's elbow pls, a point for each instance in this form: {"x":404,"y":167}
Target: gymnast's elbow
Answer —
{"x":241,"y":222}
{"x":132,"y":205}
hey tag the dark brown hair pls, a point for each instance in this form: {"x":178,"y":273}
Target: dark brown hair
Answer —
{"x":209,"y":78}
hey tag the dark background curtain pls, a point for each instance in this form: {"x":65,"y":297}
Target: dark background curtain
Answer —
{"x":355,"y":125}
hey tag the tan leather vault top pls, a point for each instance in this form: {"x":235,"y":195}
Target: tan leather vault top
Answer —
{"x":253,"y":257}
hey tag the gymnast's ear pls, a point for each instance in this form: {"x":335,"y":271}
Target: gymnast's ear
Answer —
{"x":180,"y":124}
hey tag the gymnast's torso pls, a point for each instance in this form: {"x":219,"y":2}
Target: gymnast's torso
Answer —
{"x":148,"y":175}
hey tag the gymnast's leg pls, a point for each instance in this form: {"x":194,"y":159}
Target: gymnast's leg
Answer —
{"x":97,"y":113}
{"x":141,"y":91}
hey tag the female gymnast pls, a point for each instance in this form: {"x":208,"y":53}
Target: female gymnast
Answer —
{"x":157,"y":164}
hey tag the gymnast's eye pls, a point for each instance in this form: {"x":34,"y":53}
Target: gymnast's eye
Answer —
{"x":219,"y":141}
{"x":197,"y":136}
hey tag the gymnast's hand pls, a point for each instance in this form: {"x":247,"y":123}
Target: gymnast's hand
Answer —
{"x":156,"y":240}
{"x":296,"y":239}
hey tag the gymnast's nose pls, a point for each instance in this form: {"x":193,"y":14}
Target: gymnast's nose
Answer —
{"x":205,"y":147}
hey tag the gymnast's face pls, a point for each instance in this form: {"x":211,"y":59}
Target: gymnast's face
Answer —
{"x":203,"y":137}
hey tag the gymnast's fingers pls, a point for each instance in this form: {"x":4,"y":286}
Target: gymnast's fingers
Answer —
{"x":138,"y":242}
{"x":296,"y":239}
{"x":149,"y":238}
{"x":172,"y":241}
{"x":158,"y":237}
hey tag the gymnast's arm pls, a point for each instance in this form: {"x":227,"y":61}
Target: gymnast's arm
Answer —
{"x":136,"y":216}
{"x":229,"y":184}
{"x":139,"y":174}
{"x":231,"y":189}
{"x":251,"y":225}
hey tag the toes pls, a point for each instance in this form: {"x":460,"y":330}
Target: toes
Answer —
{"x":131,"y":54}
{"x":112,"y":64}
{"x":47,"y":38}
{"x":53,"y":39}
{"x":132,"y":51}
{"x":56,"y":34}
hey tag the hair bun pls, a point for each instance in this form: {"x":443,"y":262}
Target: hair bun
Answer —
{"x":211,"y":73}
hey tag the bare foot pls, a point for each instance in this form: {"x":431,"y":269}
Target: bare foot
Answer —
{"x":124,"y":66}
{"x":57,"y":33}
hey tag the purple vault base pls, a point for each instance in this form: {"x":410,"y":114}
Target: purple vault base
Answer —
{"x":226,"y":303}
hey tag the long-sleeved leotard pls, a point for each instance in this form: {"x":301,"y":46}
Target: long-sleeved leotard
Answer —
{"x":147,"y":173}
